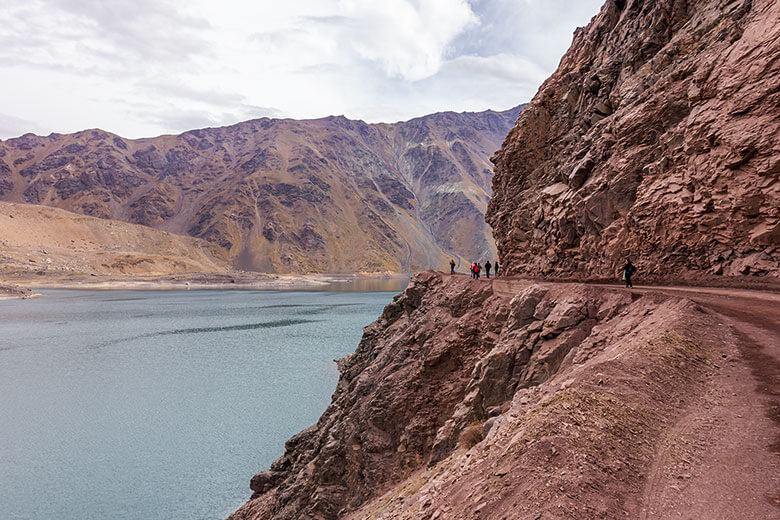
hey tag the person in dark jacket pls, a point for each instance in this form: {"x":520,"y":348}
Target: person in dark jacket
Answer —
{"x":477,"y":269}
{"x":628,"y":272}
{"x":452,"y":266}
{"x":487,"y":268}
{"x":495,"y":267}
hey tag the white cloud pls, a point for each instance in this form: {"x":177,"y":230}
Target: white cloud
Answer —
{"x":145,"y":67}
{"x":15,"y":126}
{"x":408,"y":38}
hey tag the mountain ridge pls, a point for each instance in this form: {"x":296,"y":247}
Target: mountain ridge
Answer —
{"x":280,"y":194}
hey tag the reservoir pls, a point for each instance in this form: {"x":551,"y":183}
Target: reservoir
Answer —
{"x":161,"y":404}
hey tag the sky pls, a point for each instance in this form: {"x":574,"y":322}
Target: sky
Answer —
{"x":142,"y":68}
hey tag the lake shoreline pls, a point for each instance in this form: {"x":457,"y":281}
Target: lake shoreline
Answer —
{"x":23,"y":288}
{"x":16,"y":292}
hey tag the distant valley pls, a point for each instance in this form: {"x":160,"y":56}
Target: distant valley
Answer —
{"x":284,"y":196}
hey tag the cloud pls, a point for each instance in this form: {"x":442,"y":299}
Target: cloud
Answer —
{"x":187,"y":92}
{"x":510,"y":68}
{"x":144,"y":67}
{"x":408,"y":39}
{"x":15,"y":126}
{"x":98,"y":37}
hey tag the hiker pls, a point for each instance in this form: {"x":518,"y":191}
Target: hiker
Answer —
{"x":487,"y":268}
{"x":628,"y":272}
{"x":473,"y":270}
{"x":452,"y":266}
{"x":477,"y":269}
{"x":495,"y":267}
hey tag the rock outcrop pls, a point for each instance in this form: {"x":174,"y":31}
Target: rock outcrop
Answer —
{"x":657,"y":138}
{"x":9,"y":291}
{"x":579,"y":370}
{"x":325,"y":195}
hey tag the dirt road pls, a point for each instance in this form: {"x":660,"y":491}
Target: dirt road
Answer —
{"x":722,"y":459}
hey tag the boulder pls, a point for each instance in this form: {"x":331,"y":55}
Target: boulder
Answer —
{"x":564,"y":315}
{"x":581,"y":171}
{"x":523,"y":306}
{"x":265,"y":481}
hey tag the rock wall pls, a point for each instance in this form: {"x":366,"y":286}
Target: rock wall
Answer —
{"x":658,"y":138}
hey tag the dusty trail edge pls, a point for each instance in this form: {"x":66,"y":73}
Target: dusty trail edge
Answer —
{"x":721,"y":460}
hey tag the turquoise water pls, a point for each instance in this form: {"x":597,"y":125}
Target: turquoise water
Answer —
{"x":161,"y":405}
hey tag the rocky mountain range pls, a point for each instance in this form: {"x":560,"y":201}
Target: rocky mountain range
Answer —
{"x":281,"y":195}
{"x":657,"y":138}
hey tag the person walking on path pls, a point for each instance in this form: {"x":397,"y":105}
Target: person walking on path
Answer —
{"x":628,"y":272}
{"x":495,"y":267}
{"x":487,"y":268}
{"x":452,"y":266}
{"x":473,"y":270}
{"x":477,"y":269}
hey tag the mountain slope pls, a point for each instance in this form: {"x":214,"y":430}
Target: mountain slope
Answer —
{"x":36,"y":240}
{"x":656,"y":138}
{"x":328,"y":195}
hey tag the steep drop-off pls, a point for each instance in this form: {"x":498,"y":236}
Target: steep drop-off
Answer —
{"x":325,"y":195}
{"x":512,"y":399}
{"x":657,"y":138}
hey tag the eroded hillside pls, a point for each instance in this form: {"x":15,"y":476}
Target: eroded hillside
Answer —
{"x":512,"y":399}
{"x":325,"y":195}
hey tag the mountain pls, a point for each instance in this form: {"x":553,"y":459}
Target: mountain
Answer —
{"x":38,"y":242}
{"x":657,"y":138}
{"x":281,"y":195}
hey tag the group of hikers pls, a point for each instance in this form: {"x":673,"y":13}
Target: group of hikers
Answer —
{"x":476,"y":269}
{"x":628,"y":270}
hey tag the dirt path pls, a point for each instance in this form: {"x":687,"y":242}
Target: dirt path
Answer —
{"x":722,"y":459}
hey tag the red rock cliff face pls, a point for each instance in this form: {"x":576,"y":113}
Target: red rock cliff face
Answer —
{"x":657,"y":138}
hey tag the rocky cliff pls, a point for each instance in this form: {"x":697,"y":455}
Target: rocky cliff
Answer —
{"x":505,"y":399}
{"x":657,"y":138}
{"x":325,"y":195}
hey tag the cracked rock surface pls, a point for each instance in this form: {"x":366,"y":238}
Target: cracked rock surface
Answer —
{"x":657,"y":138}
